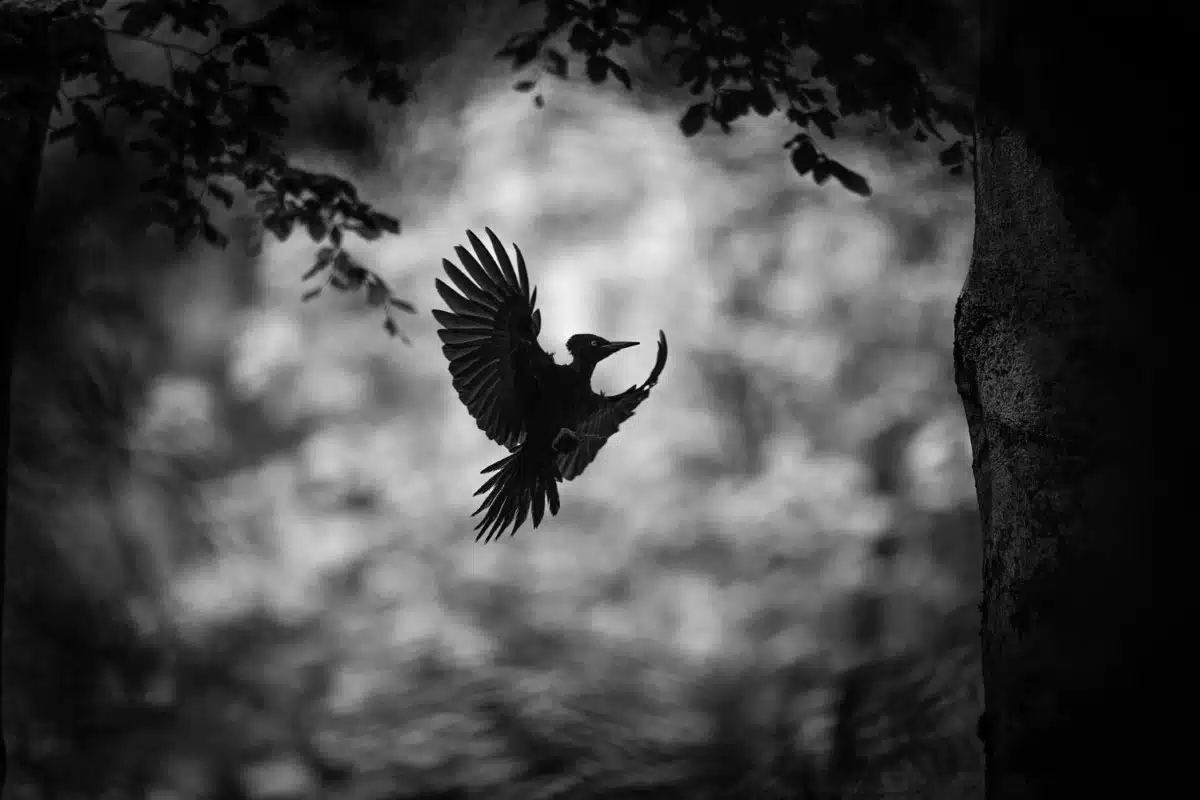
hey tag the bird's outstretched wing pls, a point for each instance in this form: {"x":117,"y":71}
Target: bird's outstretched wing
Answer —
{"x":603,"y":418}
{"x":490,"y":337}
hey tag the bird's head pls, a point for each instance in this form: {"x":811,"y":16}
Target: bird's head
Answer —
{"x":590,"y":349}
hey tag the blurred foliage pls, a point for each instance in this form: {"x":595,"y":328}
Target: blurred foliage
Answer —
{"x":248,"y":572}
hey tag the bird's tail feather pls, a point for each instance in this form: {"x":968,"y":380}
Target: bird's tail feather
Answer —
{"x":524,"y":481}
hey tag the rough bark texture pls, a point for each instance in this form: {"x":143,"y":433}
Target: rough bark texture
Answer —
{"x":1059,"y":363}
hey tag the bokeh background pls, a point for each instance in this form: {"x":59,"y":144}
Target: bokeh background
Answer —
{"x":241,"y":521}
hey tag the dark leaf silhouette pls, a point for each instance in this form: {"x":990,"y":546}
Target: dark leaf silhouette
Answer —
{"x":953,"y":155}
{"x":693,"y":119}
{"x":214,"y":236}
{"x":316,"y":228}
{"x":221,"y":193}
{"x":141,"y":17}
{"x":850,"y":179}
{"x":762,"y":100}
{"x":582,"y":38}
{"x":597,"y":69}
{"x":823,"y":118}
{"x":621,"y":74}
{"x":556,"y":62}
{"x":821,"y":170}
{"x":804,"y":156}
{"x":403,"y":305}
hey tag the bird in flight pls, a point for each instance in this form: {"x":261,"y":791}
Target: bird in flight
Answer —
{"x":545,"y":413}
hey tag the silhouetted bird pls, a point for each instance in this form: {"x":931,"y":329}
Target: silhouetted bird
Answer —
{"x":545,"y":413}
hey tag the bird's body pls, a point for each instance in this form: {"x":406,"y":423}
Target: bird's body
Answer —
{"x":545,"y":413}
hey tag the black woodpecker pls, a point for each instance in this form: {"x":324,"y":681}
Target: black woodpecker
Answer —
{"x":546,"y":414}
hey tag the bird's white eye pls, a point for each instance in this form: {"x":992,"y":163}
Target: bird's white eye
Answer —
{"x":595,"y":342}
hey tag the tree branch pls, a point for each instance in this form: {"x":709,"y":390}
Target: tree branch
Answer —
{"x":166,"y":46}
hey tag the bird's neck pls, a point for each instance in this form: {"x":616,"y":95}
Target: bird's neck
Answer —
{"x":583,"y":369}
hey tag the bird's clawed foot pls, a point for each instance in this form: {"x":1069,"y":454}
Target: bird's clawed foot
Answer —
{"x":566,"y":441}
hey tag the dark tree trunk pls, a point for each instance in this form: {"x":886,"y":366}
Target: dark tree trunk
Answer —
{"x":29,"y":80}
{"x":1059,"y":363}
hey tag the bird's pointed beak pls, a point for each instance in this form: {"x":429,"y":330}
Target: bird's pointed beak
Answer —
{"x":612,"y":347}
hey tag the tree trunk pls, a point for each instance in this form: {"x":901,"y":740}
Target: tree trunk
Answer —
{"x":29,"y":80}
{"x":1058,"y":363}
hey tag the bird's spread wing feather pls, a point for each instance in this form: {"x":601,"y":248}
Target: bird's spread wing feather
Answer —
{"x":603,"y":418}
{"x":490,"y":337}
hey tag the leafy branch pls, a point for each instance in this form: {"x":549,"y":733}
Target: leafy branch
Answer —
{"x":216,"y":123}
{"x":337,"y":268}
{"x":740,"y":56}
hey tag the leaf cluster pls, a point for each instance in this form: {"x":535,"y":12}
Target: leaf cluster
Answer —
{"x":744,"y":56}
{"x":216,"y":122}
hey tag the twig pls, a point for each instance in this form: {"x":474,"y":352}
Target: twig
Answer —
{"x":166,"y":46}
